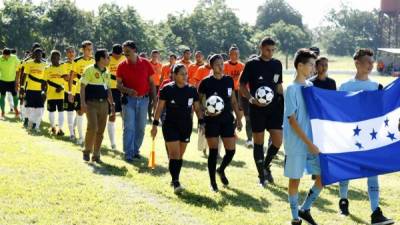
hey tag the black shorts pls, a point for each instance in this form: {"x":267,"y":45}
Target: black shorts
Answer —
{"x":173,"y":131}
{"x":68,"y":106}
{"x":268,"y":118}
{"x":77,"y":102}
{"x":55,"y":105}
{"x":117,"y":99}
{"x":220,"y":126}
{"x":34,"y":99}
{"x":7,"y":86}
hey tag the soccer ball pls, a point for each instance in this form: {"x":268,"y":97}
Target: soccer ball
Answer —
{"x":215,"y":104}
{"x":264,"y":95}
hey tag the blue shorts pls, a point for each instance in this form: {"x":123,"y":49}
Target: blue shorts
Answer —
{"x":296,"y":165}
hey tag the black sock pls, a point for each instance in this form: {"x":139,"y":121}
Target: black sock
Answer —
{"x":180,"y":162}
{"x":173,"y":169}
{"x":227,"y":159}
{"x":212,"y":163}
{"x":258,"y":155}
{"x":271,"y":153}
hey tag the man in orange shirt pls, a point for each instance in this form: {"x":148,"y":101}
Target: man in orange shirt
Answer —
{"x":166,"y":69}
{"x":155,"y":63}
{"x":233,"y":67}
{"x":195,"y":66}
{"x":185,"y":60}
{"x":202,"y":72}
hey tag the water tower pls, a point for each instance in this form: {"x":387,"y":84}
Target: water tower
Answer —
{"x":389,"y":20}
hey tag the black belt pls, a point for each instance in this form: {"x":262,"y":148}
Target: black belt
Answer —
{"x":97,"y":99}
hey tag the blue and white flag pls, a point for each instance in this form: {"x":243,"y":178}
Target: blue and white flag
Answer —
{"x":356,"y":132}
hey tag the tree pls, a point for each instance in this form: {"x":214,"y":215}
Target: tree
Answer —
{"x":273,"y":11}
{"x":289,"y":37}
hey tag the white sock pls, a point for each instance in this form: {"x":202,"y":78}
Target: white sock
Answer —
{"x":70,"y":119}
{"x":23,"y":112}
{"x":60,"y":120}
{"x":79,"y":121}
{"x":111,"y":132}
{"x":39,"y":115}
{"x":52,"y":119}
{"x":29,"y":115}
{"x":10,"y":100}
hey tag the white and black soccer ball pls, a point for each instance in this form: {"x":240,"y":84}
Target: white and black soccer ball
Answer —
{"x":264,"y":95}
{"x":215,"y":104}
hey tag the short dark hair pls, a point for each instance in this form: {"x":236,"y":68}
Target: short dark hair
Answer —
{"x":177,"y":67}
{"x":320,"y":59}
{"x":6,"y":51}
{"x":154,"y":51}
{"x":267,"y":41}
{"x":37,"y":50}
{"x":214,"y":58}
{"x":303,"y":55}
{"x":86,"y":43}
{"x":361,"y":52}
{"x":233,"y":48}
{"x":13,"y":51}
{"x":186,"y":50}
{"x":315,"y":50}
{"x":117,"y":49}
{"x":198,"y":52}
{"x":100,"y":53}
{"x":173,"y":55}
{"x":35,"y":45}
{"x":130,"y":44}
{"x":69,"y":48}
{"x":55,"y":52}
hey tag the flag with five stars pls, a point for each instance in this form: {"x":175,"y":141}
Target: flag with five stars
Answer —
{"x":356,"y":132}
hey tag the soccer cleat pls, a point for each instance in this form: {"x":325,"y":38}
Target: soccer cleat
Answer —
{"x":60,"y":133}
{"x":263,"y":183}
{"x":71,"y":137}
{"x":344,"y":207}
{"x":296,"y":222}
{"x":96,"y":159}
{"x":79,"y":142}
{"x":249,"y":144}
{"x":214,"y":187}
{"x":178,"y":189}
{"x":137,"y":156}
{"x":306,"y":216}
{"x":268,"y":175}
{"x":26,"y":123}
{"x":86,"y":157}
{"x":53,"y":130}
{"x":222,"y":176}
{"x":114,"y":147}
{"x":377,"y":218}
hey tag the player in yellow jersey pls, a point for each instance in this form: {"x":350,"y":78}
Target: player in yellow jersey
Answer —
{"x":55,"y":75}
{"x":79,"y":67}
{"x":116,"y":58}
{"x":69,"y":106}
{"x":35,"y":94}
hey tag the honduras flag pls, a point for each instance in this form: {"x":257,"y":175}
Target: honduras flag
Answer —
{"x":356,"y":132}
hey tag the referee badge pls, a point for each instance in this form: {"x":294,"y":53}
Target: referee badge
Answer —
{"x":229,"y":92}
{"x":190,"y":101}
{"x":97,"y":75}
{"x":276,"y":78}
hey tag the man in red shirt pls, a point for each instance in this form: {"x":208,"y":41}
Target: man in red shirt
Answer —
{"x":135,"y":81}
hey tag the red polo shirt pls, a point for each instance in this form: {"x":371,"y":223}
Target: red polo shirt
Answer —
{"x":136,"y":76}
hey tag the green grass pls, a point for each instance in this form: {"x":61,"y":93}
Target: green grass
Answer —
{"x":43,"y":180}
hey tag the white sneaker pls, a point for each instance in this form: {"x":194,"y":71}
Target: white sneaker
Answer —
{"x":249,"y":144}
{"x":72,"y":138}
{"x":79,"y":142}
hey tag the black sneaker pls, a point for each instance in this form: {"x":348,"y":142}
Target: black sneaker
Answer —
{"x":97,"y":159}
{"x":86,"y":157}
{"x":296,"y":222}
{"x":214,"y":187}
{"x":263,"y":183}
{"x":137,"y":156}
{"x":268,"y":175}
{"x":60,"y":133}
{"x":344,"y":207}
{"x":377,"y":218}
{"x":222,"y":176}
{"x":26,"y":123}
{"x":306,"y":216}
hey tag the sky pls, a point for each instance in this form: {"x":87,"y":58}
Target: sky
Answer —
{"x":313,"y":11}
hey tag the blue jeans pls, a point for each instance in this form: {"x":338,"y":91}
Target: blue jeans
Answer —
{"x":134,"y":114}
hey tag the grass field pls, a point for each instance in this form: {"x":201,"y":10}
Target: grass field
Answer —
{"x":43,"y":180}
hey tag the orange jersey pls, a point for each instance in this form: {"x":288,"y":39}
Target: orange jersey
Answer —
{"x":165,"y":71}
{"x":192,"y":69}
{"x":201,"y":72}
{"x":234,"y":70}
{"x":157,"y":67}
{"x":186,"y":63}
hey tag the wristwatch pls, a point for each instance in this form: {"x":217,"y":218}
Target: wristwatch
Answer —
{"x":251,"y":100}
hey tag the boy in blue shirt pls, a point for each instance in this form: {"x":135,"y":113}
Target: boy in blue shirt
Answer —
{"x":364,"y":62}
{"x":300,"y":153}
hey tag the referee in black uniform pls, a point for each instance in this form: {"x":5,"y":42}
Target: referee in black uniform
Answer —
{"x":222,"y":125}
{"x":264,"y":70}
{"x":178,"y":99}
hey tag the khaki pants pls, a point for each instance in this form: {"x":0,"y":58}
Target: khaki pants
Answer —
{"x":97,"y":112}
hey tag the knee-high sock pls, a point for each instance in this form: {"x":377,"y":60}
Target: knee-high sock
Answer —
{"x":311,"y":197}
{"x":180,"y":162}
{"x":29,"y":114}
{"x":343,"y":189}
{"x":15,"y":101}
{"x":111,"y":131}
{"x":23,"y":112}
{"x":373,"y":192}
{"x":61,"y":120}
{"x":173,"y":169}
{"x":227,"y":159}
{"x":79,"y":121}
{"x":52,"y":119}
{"x":70,"y":119}
{"x":39,"y":115}
{"x":258,"y":155}
{"x":271,"y":153}
{"x":2,"y":102}
{"x":294,"y":206}
{"x":10,"y":100}
{"x":212,"y":164}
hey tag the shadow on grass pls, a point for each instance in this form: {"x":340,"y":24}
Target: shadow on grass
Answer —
{"x":108,"y":169}
{"x":199,"y":200}
{"x":244,"y":200}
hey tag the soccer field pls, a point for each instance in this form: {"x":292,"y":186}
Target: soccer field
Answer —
{"x":43,"y":180}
